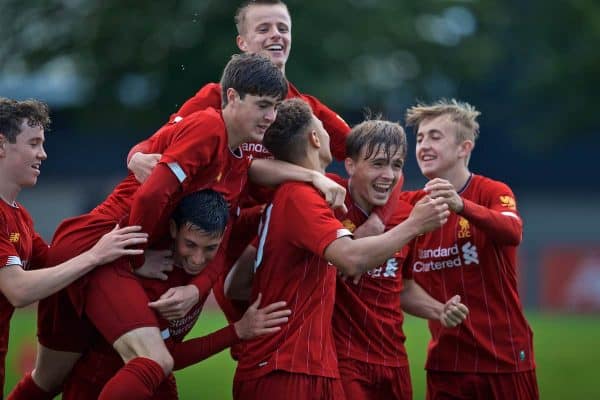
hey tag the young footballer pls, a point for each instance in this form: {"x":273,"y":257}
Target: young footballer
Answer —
{"x":23,"y":253}
{"x":299,"y":244}
{"x":474,"y":254}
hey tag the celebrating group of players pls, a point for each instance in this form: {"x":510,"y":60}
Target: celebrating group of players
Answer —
{"x":313,"y":271}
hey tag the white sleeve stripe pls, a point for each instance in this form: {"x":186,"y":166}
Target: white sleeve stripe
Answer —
{"x":178,"y":171}
{"x":510,"y":214}
{"x":13,"y":260}
{"x":343,"y":232}
{"x":165,"y":334}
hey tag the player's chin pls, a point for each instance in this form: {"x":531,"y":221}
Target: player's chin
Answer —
{"x":193,"y":270}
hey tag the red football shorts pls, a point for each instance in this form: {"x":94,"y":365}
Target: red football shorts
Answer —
{"x":289,"y":386}
{"x":364,"y":381}
{"x":482,"y":386}
{"x":111,"y":297}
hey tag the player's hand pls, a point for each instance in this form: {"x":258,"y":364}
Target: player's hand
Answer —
{"x":371,"y":227}
{"x":115,"y":244}
{"x":156,"y":264}
{"x":354,"y":279}
{"x":454,"y":313}
{"x":429,"y":214}
{"x":334,"y":194}
{"x":142,"y":165}
{"x":439,"y":187}
{"x":176,"y":302}
{"x":262,"y":321}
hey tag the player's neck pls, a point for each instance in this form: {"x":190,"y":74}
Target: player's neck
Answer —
{"x":362,"y":203}
{"x":8,"y":190}
{"x":311,"y":162}
{"x":458,"y":176}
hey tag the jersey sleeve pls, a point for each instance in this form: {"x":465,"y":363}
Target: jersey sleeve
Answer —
{"x":335,"y":125}
{"x":195,"y":350}
{"x":208,"y":96}
{"x":39,"y":253}
{"x":498,"y":215}
{"x":8,"y":252}
{"x":315,"y":225}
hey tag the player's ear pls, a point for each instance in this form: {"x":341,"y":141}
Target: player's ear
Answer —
{"x":241,"y":43}
{"x":465,"y":148}
{"x":349,"y":164}
{"x":313,"y":138}
{"x":172,"y":228}
{"x":232,"y":95}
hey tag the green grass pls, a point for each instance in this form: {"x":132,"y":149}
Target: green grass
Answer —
{"x":567,"y":354}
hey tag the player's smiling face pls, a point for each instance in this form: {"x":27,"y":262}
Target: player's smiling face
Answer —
{"x":254,"y":114}
{"x":437,"y":149}
{"x":193,"y":248}
{"x":373,"y":179}
{"x":267,"y":29}
{"x":23,"y":158}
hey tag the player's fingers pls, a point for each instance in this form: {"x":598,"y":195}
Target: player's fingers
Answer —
{"x":130,"y":252}
{"x":127,"y":229}
{"x":274,"y":322}
{"x":278,"y":314}
{"x":273,"y":307}
{"x":266,"y":331}
{"x":256,"y":304}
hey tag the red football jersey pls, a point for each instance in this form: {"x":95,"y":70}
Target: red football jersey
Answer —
{"x":210,"y":96}
{"x":196,"y":156}
{"x":19,"y":245}
{"x":367,"y":319}
{"x":297,"y":227}
{"x":474,"y":255}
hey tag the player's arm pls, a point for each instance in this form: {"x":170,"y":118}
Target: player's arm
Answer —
{"x":274,"y":172}
{"x":380,"y":217}
{"x":23,"y":287}
{"x":504,"y":225}
{"x":354,"y":257}
{"x":255,"y":322}
{"x":238,"y":283}
{"x":416,"y":301}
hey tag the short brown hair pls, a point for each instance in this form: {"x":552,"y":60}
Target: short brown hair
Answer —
{"x":462,"y":114}
{"x":286,"y":138}
{"x":253,"y":74}
{"x":373,"y":135}
{"x":240,"y":14}
{"x":13,"y":113}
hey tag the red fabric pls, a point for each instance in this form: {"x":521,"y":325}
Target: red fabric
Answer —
{"x":137,"y":380}
{"x":210,"y":96}
{"x":386,"y":212}
{"x":297,"y":228}
{"x":466,"y":257}
{"x":19,"y":245}
{"x":26,"y":389}
{"x":195,"y":350}
{"x":487,"y":386}
{"x":366,"y":381}
{"x":289,"y":386}
{"x":367,"y":319}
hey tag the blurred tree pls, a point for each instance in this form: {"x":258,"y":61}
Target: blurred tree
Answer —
{"x":530,"y":66}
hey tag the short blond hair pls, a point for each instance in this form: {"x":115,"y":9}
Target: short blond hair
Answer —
{"x":463,"y":114}
{"x":240,"y":14}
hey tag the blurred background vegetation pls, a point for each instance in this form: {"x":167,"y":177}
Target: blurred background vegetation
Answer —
{"x":113,"y":71}
{"x":119,"y":68}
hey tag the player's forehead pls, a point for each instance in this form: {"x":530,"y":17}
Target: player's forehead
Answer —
{"x":198,"y":236}
{"x":381,"y":151}
{"x":28,"y":132}
{"x":441,"y":124}
{"x":258,"y":14}
{"x":255,"y":98}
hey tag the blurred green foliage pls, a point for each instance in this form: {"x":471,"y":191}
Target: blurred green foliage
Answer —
{"x":529,"y":66}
